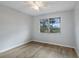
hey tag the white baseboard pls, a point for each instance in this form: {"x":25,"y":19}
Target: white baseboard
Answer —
{"x":53,"y":43}
{"x":4,"y":50}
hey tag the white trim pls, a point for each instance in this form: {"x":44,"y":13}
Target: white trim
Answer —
{"x":54,"y":44}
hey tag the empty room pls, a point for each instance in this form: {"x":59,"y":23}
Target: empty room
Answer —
{"x":39,"y":29}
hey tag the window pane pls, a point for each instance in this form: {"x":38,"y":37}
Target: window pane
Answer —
{"x":44,"y":25}
{"x":54,"y":25}
{"x":51,"y":25}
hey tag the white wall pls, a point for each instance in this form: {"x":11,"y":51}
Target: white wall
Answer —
{"x":77,"y":27}
{"x":65,"y":38}
{"x":15,"y":28}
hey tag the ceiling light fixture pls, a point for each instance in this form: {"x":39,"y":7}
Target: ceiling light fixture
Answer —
{"x":36,"y":5}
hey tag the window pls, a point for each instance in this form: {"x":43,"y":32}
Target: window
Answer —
{"x":51,"y":25}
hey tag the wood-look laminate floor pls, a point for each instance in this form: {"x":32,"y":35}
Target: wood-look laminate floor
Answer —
{"x":39,"y":50}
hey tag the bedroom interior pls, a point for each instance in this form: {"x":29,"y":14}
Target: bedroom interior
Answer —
{"x":39,"y":29}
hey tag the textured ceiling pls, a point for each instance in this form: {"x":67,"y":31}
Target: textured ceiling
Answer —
{"x":50,"y":6}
